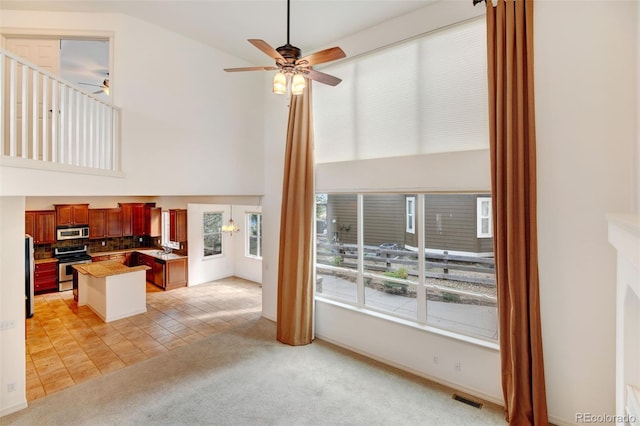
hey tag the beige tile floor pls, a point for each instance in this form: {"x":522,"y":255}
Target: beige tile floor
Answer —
{"x":67,"y":344}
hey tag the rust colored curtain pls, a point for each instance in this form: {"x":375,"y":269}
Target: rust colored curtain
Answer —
{"x":513,"y":181}
{"x":295,"y":273}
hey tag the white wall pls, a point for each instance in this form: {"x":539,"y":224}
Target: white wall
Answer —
{"x":12,"y":307}
{"x":232,"y":261}
{"x":187,"y":126}
{"x":201,"y":269}
{"x":249,"y":268}
{"x":637,"y":189}
{"x":276,"y":113}
{"x":586,"y":116}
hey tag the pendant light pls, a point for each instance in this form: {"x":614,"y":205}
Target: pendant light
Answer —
{"x":230,"y":227}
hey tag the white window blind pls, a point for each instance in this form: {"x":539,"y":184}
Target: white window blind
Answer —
{"x":423,"y":96}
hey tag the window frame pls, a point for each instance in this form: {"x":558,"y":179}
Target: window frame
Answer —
{"x":204,"y":235}
{"x":410,"y":214}
{"x":249,"y":236}
{"x":354,"y":295}
{"x":480,"y":216}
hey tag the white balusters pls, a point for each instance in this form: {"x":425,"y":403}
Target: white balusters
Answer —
{"x":46,"y":119}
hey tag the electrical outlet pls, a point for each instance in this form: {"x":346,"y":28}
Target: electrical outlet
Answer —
{"x":458,"y":366}
{"x":140,"y":239}
{"x":436,"y":360}
{"x":7,"y":324}
{"x":11,"y":387}
{"x":104,"y":243}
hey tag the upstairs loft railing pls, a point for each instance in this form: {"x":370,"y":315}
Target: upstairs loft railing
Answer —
{"x":47,"y":123}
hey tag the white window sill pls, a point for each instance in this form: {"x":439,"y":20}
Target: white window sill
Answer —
{"x":413,"y":324}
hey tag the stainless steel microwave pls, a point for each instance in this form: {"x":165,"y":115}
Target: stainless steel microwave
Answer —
{"x":72,"y":233}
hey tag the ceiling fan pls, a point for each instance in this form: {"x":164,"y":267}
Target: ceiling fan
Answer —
{"x":104,"y":87}
{"x":290,"y":64}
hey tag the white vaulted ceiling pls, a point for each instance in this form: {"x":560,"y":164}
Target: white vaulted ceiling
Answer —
{"x":227,"y":24}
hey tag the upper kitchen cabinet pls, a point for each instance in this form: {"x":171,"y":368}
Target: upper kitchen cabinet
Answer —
{"x":41,"y":225}
{"x":132,"y":219}
{"x":72,"y":214}
{"x":178,"y":225}
{"x":153,"y":220}
{"x":105,"y":223}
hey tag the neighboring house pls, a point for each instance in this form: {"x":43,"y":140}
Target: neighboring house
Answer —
{"x":454,"y":222}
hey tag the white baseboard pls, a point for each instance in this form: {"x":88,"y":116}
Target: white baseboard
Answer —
{"x":12,"y":409}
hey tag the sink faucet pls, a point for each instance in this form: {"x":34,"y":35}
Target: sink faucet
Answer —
{"x":167,"y":249}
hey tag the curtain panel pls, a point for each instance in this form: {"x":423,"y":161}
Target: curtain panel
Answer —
{"x":513,"y":180}
{"x":295,"y":265}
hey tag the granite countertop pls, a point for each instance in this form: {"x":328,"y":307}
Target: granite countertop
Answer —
{"x":159,"y":254}
{"x":107,"y":268}
{"x":153,"y":252}
{"x":109,"y":253}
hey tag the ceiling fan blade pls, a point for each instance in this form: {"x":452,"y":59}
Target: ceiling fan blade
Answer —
{"x":250,"y":69}
{"x":266,"y":48}
{"x":97,"y":92}
{"x":321,"y":57}
{"x":89,"y":84}
{"x":321,"y":77}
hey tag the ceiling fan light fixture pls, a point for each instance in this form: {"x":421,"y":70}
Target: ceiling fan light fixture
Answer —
{"x":297,"y":84}
{"x":280,"y":83}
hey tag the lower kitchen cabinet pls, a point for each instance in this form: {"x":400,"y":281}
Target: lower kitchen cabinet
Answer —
{"x":123,"y":258}
{"x":175,"y":274}
{"x":166,"y":274}
{"x":45,"y":277}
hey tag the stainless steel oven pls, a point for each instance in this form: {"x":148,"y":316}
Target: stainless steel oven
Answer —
{"x":67,"y":257}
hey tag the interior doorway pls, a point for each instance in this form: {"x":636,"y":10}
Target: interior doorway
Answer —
{"x":85,"y":63}
{"x":82,"y":62}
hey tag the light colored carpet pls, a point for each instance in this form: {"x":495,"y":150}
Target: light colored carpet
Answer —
{"x":245,"y":377}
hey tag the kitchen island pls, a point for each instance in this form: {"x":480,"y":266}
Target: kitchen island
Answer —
{"x":112,"y":290}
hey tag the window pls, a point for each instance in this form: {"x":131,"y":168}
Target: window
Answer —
{"x":484,"y":218}
{"x":254,"y":236}
{"x":212,"y":232}
{"x":435,"y":101}
{"x":166,"y":232}
{"x":375,"y":264}
{"x":411,"y":215}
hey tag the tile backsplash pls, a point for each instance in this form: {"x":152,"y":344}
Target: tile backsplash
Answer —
{"x":43,"y":251}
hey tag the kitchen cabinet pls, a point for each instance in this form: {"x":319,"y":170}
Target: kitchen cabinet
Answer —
{"x":178,"y":225}
{"x":155,"y":274}
{"x":45,"y":277}
{"x":105,"y":223}
{"x":72,"y":214}
{"x":153,"y":220}
{"x":41,"y":225}
{"x":123,"y":258}
{"x":164,"y":273}
{"x":132,"y":219}
{"x":175,"y":273}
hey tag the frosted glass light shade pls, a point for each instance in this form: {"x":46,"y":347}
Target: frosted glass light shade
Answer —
{"x":280,"y":83}
{"x":297,"y":84}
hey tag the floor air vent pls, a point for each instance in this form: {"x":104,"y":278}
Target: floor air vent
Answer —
{"x":467,"y":401}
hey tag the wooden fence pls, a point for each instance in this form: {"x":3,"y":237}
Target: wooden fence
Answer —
{"x":453,"y":267}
